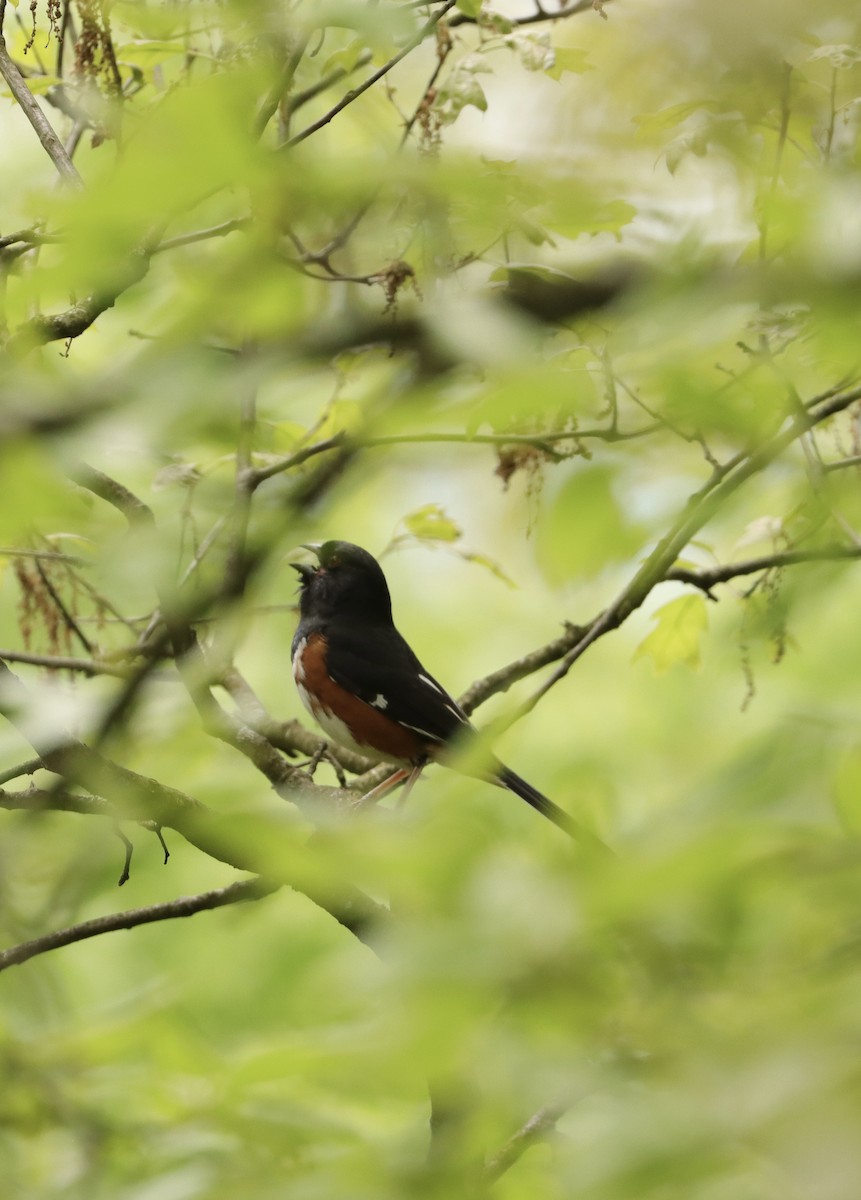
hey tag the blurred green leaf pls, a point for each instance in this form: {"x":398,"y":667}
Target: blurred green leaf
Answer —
{"x":569,"y":58}
{"x":462,"y":90}
{"x":585,"y":527}
{"x":432,"y":524}
{"x":677,"y":636}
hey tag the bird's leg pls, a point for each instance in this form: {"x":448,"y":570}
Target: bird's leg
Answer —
{"x":388,"y":783}
{"x":408,"y":786}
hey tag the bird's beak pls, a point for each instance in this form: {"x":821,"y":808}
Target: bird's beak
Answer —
{"x":305,"y":569}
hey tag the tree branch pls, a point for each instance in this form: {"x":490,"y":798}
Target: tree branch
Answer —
{"x":30,"y":106}
{"x":77,"y":318}
{"x":263,"y":843}
{"x":539,"y":1125}
{"x":706,"y":578}
{"x":296,"y":102}
{"x":281,"y":85}
{"x":54,"y":662}
{"x":202,"y":235}
{"x":354,"y":94}
{"x":184,"y":906}
{"x":700,"y":508}
{"x":541,"y":14}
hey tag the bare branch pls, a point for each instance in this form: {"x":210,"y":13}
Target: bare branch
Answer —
{"x":539,"y":1125}
{"x":281,"y":86}
{"x":541,"y":14}
{"x":63,"y":609}
{"x":202,"y":235}
{"x":542,"y":441}
{"x":843,"y":463}
{"x":354,"y":94}
{"x":502,"y":680}
{"x":27,"y":768}
{"x":56,"y":662}
{"x":577,"y":638}
{"x":183,"y":906}
{"x":261,"y":843}
{"x":701,"y":507}
{"x":54,"y":148}
{"x":261,"y":474}
{"x":322,"y":85}
{"x":47,"y":555}
{"x":706,"y":578}
{"x":77,"y":318}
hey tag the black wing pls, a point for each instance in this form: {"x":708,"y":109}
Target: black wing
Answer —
{"x":378,"y":666}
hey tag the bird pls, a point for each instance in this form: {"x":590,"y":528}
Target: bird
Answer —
{"x":367,"y":690}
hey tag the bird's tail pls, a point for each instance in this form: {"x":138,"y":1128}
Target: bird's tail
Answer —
{"x":551,"y":811}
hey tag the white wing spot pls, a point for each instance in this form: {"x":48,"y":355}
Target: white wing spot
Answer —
{"x":431,"y":684}
{"x":380,"y":702}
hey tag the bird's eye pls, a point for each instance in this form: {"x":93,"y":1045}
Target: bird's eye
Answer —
{"x":335,"y":562}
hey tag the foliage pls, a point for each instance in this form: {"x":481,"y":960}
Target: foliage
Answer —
{"x":556,"y":310}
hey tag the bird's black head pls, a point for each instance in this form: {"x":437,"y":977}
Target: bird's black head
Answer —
{"x":348,"y":582}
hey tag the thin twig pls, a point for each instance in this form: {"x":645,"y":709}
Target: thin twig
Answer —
{"x":261,"y":474}
{"x":63,"y":609}
{"x":354,"y":94}
{"x":257,"y":842}
{"x":540,"y":15}
{"x":539,"y":1125}
{"x":707,"y":577}
{"x":26,"y":768}
{"x":542,"y":441}
{"x":183,"y":906}
{"x":700,"y":508}
{"x":47,"y":555}
{"x":202,"y":235}
{"x":843,"y":463}
{"x":295,"y":102}
{"x":57,"y":662}
{"x":281,"y":86}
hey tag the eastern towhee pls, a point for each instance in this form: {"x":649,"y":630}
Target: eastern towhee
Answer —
{"x":367,"y":690}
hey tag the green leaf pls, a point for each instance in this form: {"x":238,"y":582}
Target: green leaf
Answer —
{"x":471,"y":8}
{"x":588,"y":213}
{"x":146,"y":52}
{"x":432,"y":524}
{"x":489,"y":564}
{"x":569,"y":58}
{"x":651,"y":124}
{"x":346,"y":58}
{"x":462,"y":90}
{"x":677,"y":636}
{"x":585,"y":528}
